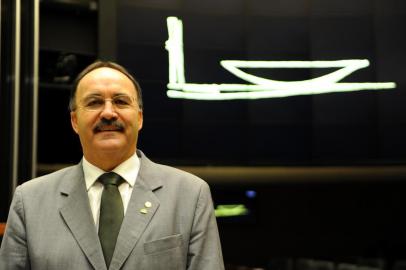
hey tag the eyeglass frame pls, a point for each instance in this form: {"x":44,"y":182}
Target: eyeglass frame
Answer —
{"x":133,"y":104}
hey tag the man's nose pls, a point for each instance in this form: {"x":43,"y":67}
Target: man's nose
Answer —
{"x":108,"y":110}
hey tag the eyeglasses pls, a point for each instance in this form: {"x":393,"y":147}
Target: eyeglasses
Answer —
{"x":97,"y":103}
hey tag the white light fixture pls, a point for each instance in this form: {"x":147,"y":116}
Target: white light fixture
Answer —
{"x":259,"y":87}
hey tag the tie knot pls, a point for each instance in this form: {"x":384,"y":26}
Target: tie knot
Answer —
{"x":111,"y":178}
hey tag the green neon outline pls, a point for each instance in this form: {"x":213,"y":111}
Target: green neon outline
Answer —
{"x":260,"y":87}
{"x":231,"y":210}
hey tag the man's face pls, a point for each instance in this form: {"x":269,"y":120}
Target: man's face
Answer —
{"x":105,"y":123}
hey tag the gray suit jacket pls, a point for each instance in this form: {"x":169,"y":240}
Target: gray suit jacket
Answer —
{"x":50,"y":224}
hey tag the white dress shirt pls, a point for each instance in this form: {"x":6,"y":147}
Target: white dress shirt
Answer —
{"x":128,"y":170}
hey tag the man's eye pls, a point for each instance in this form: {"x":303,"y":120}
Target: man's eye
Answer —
{"x":122,"y":101}
{"x":94,"y":102}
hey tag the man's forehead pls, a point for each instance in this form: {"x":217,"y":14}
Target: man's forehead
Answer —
{"x":103,"y":77}
{"x":104,"y":74}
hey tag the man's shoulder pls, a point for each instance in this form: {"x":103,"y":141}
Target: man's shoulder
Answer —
{"x":169,"y":173}
{"x":156,"y":169}
{"x":179,"y":173}
{"x":49,"y":180}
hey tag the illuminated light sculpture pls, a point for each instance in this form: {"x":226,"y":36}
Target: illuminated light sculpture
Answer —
{"x":259,"y":87}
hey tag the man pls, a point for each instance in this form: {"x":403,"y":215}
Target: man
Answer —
{"x":116,"y":209}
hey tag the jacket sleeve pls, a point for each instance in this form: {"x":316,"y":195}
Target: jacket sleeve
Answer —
{"x":204,"y":245}
{"x":13,"y":251}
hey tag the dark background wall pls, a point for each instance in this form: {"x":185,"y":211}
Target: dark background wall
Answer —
{"x":338,"y":221}
{"x":341,"y":128}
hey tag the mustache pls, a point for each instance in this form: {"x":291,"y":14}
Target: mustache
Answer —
{"x":103,"y":123}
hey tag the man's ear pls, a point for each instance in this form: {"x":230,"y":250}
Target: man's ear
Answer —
{"x":74,"y":121}
{"x":140,"y":119}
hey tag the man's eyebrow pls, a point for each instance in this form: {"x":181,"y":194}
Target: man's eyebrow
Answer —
{"x":100,"y":95}
{"x":93,"y":95}
{"x":121,"y":94}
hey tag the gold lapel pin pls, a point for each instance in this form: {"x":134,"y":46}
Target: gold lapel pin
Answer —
{"x":148,"y":204}
{"x":144,"y":211}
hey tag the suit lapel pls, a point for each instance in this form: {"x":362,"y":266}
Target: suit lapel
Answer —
{"x":78,"y":217}
{"x":141,"y":209}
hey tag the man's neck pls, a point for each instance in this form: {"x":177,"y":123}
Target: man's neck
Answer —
{"x":107,"y":162}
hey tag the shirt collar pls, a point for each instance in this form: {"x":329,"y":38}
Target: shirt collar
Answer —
{"x":128,"y":170}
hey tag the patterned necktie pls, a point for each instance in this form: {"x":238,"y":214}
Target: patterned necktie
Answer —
{"x":111,"y":214}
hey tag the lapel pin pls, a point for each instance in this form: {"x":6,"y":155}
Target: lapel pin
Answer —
{"x":144,"y":211}
{"x":148,"y":204}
